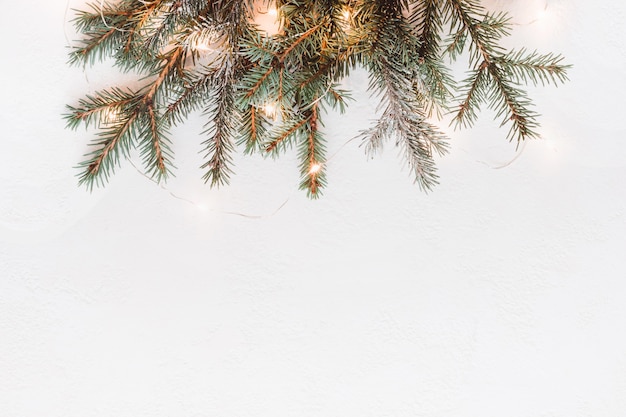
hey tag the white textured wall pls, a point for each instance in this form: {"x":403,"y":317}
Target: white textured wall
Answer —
{"x":501,"y":293}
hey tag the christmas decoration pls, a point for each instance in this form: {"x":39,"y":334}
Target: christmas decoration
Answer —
{"x":267,"y":92}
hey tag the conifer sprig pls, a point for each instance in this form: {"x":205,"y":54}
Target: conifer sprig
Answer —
{"x":268,"y":93}
{"x":495,"y":76}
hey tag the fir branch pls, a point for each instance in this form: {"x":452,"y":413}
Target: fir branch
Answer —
{"x":120,"y":136}
{"x":177,"y":15}
{"x":155,"y":148}
{"x":253,"y":130}
{"x":433,"y":80}
{"x":111,"y":32}
{"x":435,"y":86}
{"x":263,"y":75}
{"x":190,"y":97}
{"x":311,"y":155}
{"x":98,"y":109}
{"x":299,"y":39}
{"x":219,"y":145}
{"x":172,"y":67}
{"x":288,"y":130}
{"x":226,"y":116}
{"x":402,"y":119}
{"x":86,"y":22}
{"x":512,"y":104}
{"x":114,"y":140}
{"x":496,"y":74}
{"x":524,"y":67}
{"x":401,"y":43}
{"x":391,"y":79}
{"x":483,"y":29}
{"x":337,"y":98}
{"x":475,"y":91}
{"x":139,"y":19}
{"x":427,"y":20}
{"x":100,"y":44}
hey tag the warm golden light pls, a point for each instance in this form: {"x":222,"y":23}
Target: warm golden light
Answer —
{"x":542,"y":14}
{"x":111,"y":115}
{"x":315,"y":168}
{"x":270,"y":110}
{"x":203,"y":47}
{"x":267,"y":19}
{"x":263,"y":71}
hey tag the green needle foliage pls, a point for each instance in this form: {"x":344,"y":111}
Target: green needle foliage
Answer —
{"x":210,"y":56}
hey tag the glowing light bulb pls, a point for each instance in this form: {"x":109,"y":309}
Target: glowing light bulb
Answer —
{"x":542,"y":14}
{"x":315,"y":168}
{"x":346,"y":14}
{"x":200,"y":42}
{"x":111,"y":115}
{"x":202,"y":46}
{"x":270,"y":110}
{"x":268,"y":19}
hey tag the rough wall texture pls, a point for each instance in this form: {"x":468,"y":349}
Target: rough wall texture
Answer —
{"x":501,"y":293}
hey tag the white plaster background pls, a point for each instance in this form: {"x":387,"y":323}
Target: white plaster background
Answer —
{"x":500,"y":293}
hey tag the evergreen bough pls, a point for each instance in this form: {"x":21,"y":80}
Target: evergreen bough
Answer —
{"x":404,"y":46}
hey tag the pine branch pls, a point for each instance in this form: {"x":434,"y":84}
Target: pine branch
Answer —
{"x":100,"y":108}
{"x":253,"y":130}
{"x":288,"y":130}
{"x":299,"y":39}
{"x":119,"y":137}
{"x":155,"y":147}
{"x":113,"y":32}
{"x":524,"y":67}
{"x":427,"y":20}
{"x":226,"y":115}
{"x":418,"y":139}
{"x":259,"y":82}
{"x":175,"y":16}
{"x":114,"y":140}
{"x":190,"y":97}
{"x":496,"y":75}
{"x":100,"y":44}
{"x":512,"y":104}
{"x":311,"y":154}
{"x":402,"y":117}
{"x":475,"y":92}
{"x":219,"y":145}
{"x":194,"y":54}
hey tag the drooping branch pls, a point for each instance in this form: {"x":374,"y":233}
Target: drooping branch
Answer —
{"x":193,"y":55}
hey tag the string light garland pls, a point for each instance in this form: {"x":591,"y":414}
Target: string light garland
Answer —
{"x":204,"y":207}
{"x":266,"y":89}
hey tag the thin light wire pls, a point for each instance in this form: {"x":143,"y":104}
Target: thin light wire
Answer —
{"x":521,"y":151}
{"x":257,"y":217}
{"x":67,"y":38}
{"x":330,"y":158}
{"x":104,"y":20}
{"x":199,"y":205}
{"x":314,"y":102}
{"x":236,"y":213}
{"x":545,"y":8}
